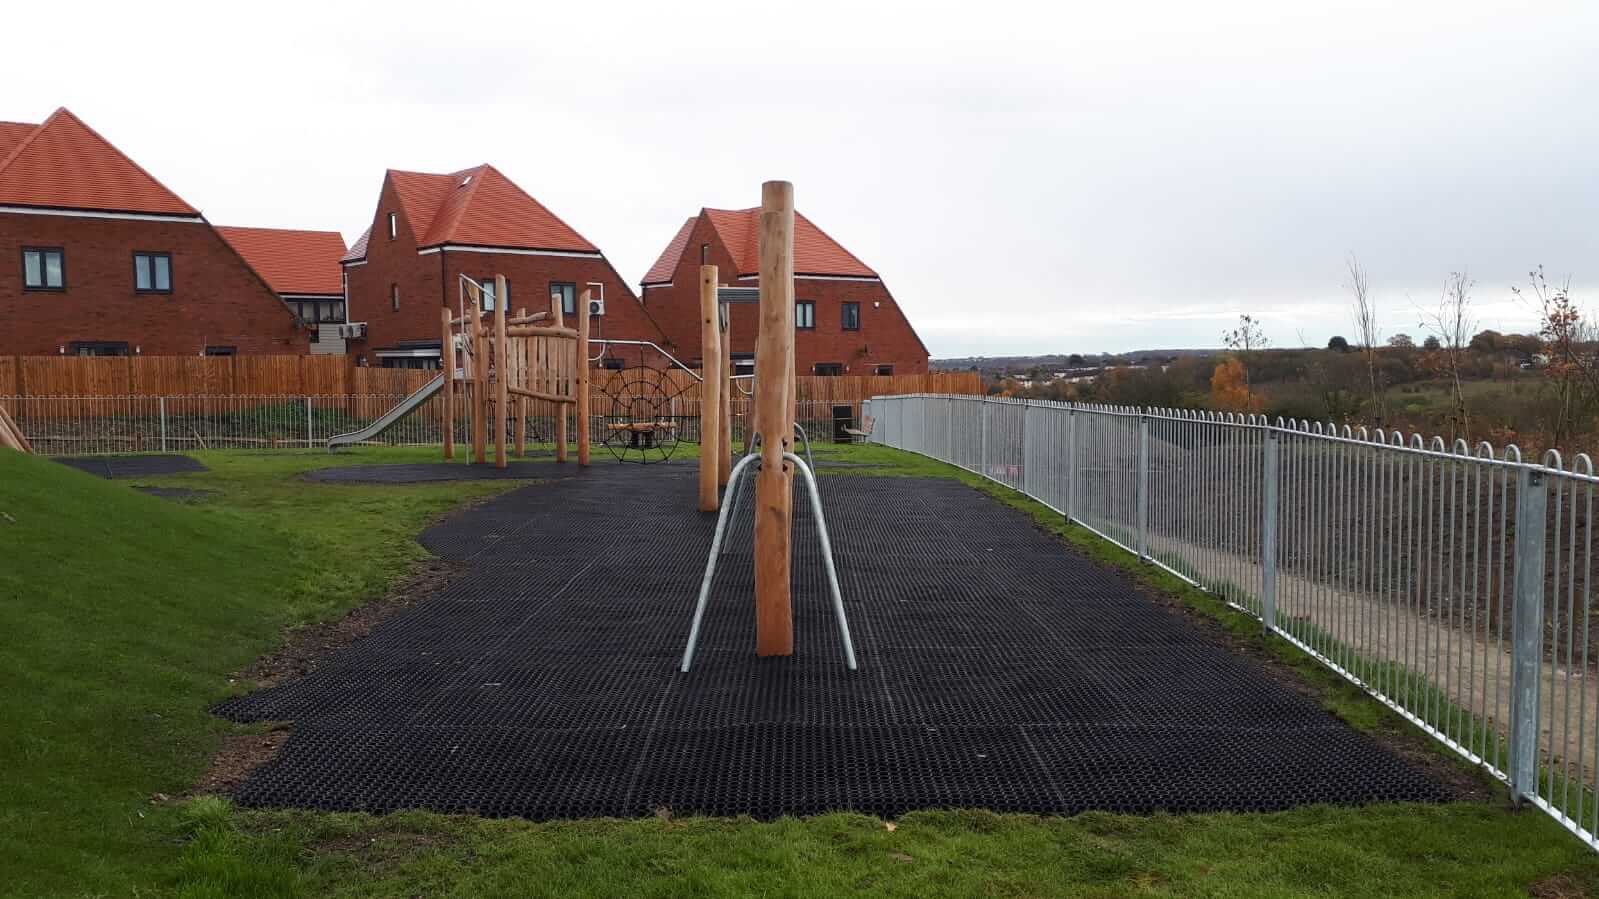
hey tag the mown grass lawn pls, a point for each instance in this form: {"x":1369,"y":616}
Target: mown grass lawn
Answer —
{"x":124,"y":615}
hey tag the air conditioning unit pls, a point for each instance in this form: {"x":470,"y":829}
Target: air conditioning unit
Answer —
{"x":353,"y":331}
{"x":596,"y":307}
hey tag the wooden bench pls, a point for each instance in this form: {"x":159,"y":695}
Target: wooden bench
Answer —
{"x":864,"y":432}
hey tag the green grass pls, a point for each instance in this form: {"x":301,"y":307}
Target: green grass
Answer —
{"x":125,"y":614}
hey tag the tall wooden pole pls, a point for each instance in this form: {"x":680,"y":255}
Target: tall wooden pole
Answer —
{"x":502,"y":380}
{"x":557,"y":368}
{"x":774,"y":363}
{"x":480,"y":369}
{"x":582,"y":387}
{"x":710,"y":390}
{"x":521,"y":401}
{"x":724,"y":451}
{"x":447,"y":358}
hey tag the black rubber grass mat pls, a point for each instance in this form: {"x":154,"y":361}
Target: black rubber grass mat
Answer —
{"x":426,"y":472}
{"x":146,"y":465}
{"x":998,"y":670}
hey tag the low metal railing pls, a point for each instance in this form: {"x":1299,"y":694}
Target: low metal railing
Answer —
{"x":1454,"y":583}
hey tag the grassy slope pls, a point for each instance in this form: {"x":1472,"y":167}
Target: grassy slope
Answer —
{"x":123,"y":615}
{"x":132,"y":608}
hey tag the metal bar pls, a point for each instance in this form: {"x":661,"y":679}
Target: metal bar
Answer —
{"x":1143,"y":487}
{"x":1268,"y":536}
{"x":710,"y":563}
{"x":827,"y":557}
{"x":1527,"y":635}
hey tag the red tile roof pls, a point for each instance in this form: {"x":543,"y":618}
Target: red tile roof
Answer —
{"x":291,"y":261}
{"x":814,"y":252}
{"x":13,"y":133}
{"x":661,"y":271}
{"x":481,"y":207}
{"x":65,"y":164}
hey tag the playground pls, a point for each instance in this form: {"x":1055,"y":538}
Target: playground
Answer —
{"x":772,"y":668}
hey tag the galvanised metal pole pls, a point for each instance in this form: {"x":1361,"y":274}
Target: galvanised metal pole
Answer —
{"x":1071,"y":465}
{"x":310,"y":436}
{"x":1268,"y":534}
{"x":1143,"y":486}
{"x":1527,"y":638}
{"x":161,"y":404}
{"x":982,"y":459}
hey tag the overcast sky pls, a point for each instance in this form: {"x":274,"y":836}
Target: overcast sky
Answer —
{"x":1027,"y":178}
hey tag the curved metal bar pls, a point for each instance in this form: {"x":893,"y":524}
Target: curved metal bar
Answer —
{"x":805,"y":438}
{"x":827,"y":556}
{"x":710,"y":565}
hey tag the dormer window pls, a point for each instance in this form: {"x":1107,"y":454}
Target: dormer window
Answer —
{"x":394,"y":225}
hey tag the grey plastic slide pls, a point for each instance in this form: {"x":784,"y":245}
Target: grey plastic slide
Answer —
{"x":388,"y":419}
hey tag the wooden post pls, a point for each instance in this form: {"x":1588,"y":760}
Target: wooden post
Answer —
{"x":774,"y":363}
{"x":710,"y":390}
{"x":582,"y":386}
{"x":480,"y":369}
{"x":521,"y":401}
{"x":502,"y":381}
{"x":556,"y":359}
{"x":724,"y":450}
{"x":447,"y":362}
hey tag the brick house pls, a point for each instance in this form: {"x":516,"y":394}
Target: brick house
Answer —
{"x":846,"y":321}
{"x":97,"y":257}
{"x":429,"y":229}
{"x":303,"y":268}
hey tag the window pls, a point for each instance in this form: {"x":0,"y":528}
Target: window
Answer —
{"x":852,"y":316}
{"x":488,"y":294}
{"x":152,"y":272}
{"x":611,"y":364}
{"x":805,"y":315}
{"x":98,"y":348}
{"x":705,"y":254}
{"x":394,"y":298}
{"x":828,"y":369}
{"x":394,"y":225}
{"x":743,"y":363}
{"x":221,"y":351}
{"x":882,"y":370}
{"x":568,"y":295}
{"x":44,"y":268}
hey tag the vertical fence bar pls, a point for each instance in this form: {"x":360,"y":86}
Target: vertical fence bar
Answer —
{"x":1071,"y":465}
{"x":310,"y":429}
{"x":1527,"y":636}
{"x":1268,"y":535}
{"x":161,"y":404}
{"x":1143,"y":486}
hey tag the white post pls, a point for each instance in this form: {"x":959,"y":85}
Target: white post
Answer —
{"x":1527,"y":640}
{"x":1268,"y":535}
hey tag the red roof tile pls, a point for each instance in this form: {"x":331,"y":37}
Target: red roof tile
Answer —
{"x":661,"y":271}
{"x":64,"y":164}
{"x":814,"y":252}
{"x":358,"y":252}
{"x":291,"y":261}
{"x":13,"y":133}
{"x":481,"y":207}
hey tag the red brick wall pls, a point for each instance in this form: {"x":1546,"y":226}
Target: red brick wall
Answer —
{"x":430,"y":280}
{"x":216,"y":298}
{"x":885,"y":336}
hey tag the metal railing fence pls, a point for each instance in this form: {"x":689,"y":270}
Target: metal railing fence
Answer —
{"x":87,"y":425}
{"x":1453,"y":583}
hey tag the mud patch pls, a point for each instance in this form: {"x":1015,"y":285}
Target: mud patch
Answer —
{"x":237,"y":759}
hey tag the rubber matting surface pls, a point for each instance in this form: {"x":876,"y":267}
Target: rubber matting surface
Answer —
{"x":998,"y":670}
{"x":148,"y":465}
{"x":423,"y":472}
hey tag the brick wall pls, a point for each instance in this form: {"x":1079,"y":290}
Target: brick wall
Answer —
{"x":216,"y":298}
{"x":885,"y":336}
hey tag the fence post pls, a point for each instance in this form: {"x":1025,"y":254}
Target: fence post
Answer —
{"x":310,"y":434}
{"x":161,"y":404}
{"x":1143,"y":486}
{"x":1071,"y":465}
{"x":1026,"y":468}
{"x":1268,"y":534}
{"x":949,"y":428}
{"x":982,"y":458}
{"x":1527,"y":646}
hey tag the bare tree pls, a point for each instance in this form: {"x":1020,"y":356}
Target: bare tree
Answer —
{"x":1568,"y":337}
{"x":1246,"y":340}
{"x":1452,"y":323}
{"x":1366,"y":332}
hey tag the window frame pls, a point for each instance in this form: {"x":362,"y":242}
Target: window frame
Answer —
{"x":394,"y":225}
{"x":835,"y":370}
{"x":877,"y":370}
{"x":220,"y":351}
{"x":394,"y":296}
{"x":565,"y":296}
{"x":44,"y":287}
{"x":119,"y":348}
{"x":810,"y":307}
{"x":844,"y":315}
{"x":488,"y":291}
{"x":152,"y":255}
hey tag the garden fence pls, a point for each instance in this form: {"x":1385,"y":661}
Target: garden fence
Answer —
{"x":1452,"y":582}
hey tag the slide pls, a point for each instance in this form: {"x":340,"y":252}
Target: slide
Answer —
{"x":388,"y":419}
